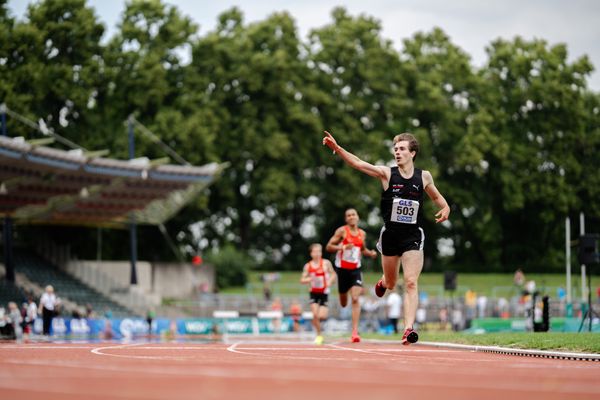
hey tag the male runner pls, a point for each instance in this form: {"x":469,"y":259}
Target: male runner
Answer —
{"x":348,"y":243}
{"x":401,"y":239}
{"x":318,"y":273}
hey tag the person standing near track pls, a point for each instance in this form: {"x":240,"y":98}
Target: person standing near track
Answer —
{"x":401,"y":239}
{"x":47,"y":307}
{"x":394,"y":309}
{"x":318,"y":273}
{"x":348,"y":244}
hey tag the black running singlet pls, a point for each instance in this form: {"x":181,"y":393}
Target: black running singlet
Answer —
{"x":402,"y":202}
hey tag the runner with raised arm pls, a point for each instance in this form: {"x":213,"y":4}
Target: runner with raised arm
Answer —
{"x":401,"y":239}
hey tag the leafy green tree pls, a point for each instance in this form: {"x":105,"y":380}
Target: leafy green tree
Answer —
{"x":231,"y":266}
{"x":52,"y":63}
{"x":529,"y":130}
{"x":248,"y":87}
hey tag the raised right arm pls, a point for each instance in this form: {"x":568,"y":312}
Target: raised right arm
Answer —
{"x":380,"y":172}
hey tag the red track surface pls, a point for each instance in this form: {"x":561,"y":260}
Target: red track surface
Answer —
{"x":283,"y":370}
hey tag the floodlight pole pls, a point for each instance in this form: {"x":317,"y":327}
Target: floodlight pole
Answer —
{"x":8,"y":223}
{"x":132,"y":224}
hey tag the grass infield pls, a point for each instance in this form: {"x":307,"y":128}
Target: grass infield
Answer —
{"x":584,"y":342}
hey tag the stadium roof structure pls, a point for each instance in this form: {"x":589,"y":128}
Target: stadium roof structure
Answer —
{"x":44,"y":185}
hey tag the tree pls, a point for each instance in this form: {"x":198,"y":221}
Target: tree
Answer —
{"x":530,"y":130}
{"x":248,"y":88}
{"x":52,"y":63}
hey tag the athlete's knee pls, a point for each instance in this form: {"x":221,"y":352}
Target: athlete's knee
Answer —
{"x":355,"y":299}
{"x":411,"y":284}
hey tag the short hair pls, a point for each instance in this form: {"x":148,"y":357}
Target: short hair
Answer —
{"x":313,"y":245}
{"x":413,"y":144}
{"x":351,"y":209}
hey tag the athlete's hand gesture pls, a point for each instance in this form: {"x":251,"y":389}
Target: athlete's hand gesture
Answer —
{"x":442,"y":215}
{"x":330,"y":142}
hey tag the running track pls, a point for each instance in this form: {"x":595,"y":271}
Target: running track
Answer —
{"x":283,"y":370}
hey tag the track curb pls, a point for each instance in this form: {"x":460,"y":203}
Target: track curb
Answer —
{"x":558,"y":355}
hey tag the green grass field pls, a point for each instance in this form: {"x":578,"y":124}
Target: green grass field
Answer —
{"x":494,"y":285}
{"x":579,"y":342}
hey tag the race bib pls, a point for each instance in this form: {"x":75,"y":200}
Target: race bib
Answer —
{"x":405,"y":211}
{"x":317,"y":282}
{"x":351,"y":255}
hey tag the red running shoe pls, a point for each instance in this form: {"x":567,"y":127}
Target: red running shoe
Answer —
{"x":379,"y":289}
{"x":355,"y":338}
{"x":410,"y":336}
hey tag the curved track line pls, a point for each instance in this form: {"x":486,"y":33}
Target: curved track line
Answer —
{"x":234,"y":349}
{"x":99,"y":351}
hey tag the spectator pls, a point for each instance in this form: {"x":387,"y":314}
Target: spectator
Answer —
{"x":503,"y":308}
{"x":470,"y":307}
{"x":296,"y":314}
{"x":394,"y":308}
{"x":519,"y":281}
{"x":150,"y":316}
{"x":23,"y":312}
{"x":561,"y":294}
{"x":481,"y":306}
{"x":15,"y":319}
{"x":32,"y":314}
{"x":48,"y":304}
{"x":276,"y":306}
{"x":530,"y":287}
{"x":458,"y":321}
{"x":519,"y":278}
{"x":6,"y":331}
{"x":443,"y":315}
{"x":266,"y":287}
{"x":421,"y":317}
{"x":370,"y":306}
{"x":89,"y":311}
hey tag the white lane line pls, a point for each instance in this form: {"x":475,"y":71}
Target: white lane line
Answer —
{"x":100,"y":351}
{"x":235,"y":349}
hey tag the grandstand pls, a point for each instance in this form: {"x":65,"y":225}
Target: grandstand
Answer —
{"x":77,"y":187}
{"x":10,"y":292}
{"x":67,"y":287}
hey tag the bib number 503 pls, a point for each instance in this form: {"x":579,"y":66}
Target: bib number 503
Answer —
{"x":405,"y":211}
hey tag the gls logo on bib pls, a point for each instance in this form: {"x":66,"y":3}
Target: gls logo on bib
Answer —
{"x":405,"y":211}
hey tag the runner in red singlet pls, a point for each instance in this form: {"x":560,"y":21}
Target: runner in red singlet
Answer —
{"x":318,"y":273}
{"x":348,"y":243}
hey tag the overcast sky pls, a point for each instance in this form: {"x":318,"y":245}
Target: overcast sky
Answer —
{"x":471,"y":24}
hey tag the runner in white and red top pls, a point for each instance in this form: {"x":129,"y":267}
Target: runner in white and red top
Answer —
{"x":348,"y":243}
{"x":318,"y":273}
